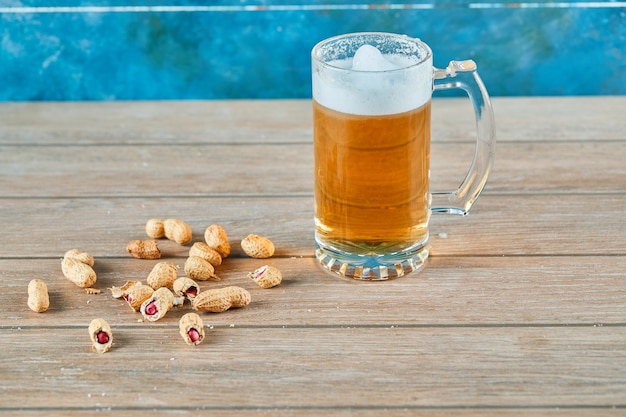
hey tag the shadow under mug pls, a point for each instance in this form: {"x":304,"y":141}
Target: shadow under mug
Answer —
{"x":371,"y":113}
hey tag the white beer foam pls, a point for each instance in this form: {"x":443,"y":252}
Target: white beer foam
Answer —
{"x":373,"y":84}
{"x":369,"y":58}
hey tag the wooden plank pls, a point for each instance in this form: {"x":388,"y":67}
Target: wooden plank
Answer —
{"x":534,"y":226}
{"x":320,"y":411}
{"x":560,"y":118}
{"x":318,"y":368}
{"x":156,"y":170}
{"x":288,"y":121}
{"x":523,"y":167}
{"x":180,"y":122}
{"x":278,"y":169}
{"x":499,"y":225}
{"x":449,"y":291}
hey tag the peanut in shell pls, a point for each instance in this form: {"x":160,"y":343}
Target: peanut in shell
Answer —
{"x":215,"y":236}
{"x":38,"y":298}
{"x":155,"y":228}
{"x":204,"y":251}
{"x":144,"y":249}
{"x":257,"y":246}
{"x":200,"y":269}
{"x":163,"y":274}
{"x":178,"y":231}
{"x":78,"y":272}
{"x":221,"y":299}
{"x":80,"y":255}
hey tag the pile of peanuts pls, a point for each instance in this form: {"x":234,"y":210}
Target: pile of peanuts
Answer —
{"x":164,"y":289}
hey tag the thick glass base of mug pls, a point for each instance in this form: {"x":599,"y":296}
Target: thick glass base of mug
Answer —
{"x":370,"y":262}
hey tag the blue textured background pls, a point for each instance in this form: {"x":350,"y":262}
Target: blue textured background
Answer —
{"x":106,"y":50}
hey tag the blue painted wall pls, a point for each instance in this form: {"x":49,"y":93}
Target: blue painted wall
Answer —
{"x":121,"y":50}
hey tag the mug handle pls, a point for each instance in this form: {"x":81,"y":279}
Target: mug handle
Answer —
{"x":463,"y":75}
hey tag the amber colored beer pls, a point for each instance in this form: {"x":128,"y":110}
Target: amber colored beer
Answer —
{"x":372,"y":179}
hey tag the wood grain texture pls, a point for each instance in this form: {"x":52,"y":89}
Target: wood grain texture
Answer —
{"x":521,"y":309}
{"x":450,"y":291}
{"x":499,"y":225}
{"x":278,"y":169}
{"x":286,"y":121}
{"x":404,"y":367}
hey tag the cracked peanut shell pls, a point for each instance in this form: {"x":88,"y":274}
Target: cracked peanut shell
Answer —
{"x":191,"y":329}
{"x":186,"y":287}
{"x":137,"y":294}
{"x":100,"y":335}
{"x":266,"y":276}
{"x":134,"y":292}
{"x":157,"y":305}
{"x":119,"y":292}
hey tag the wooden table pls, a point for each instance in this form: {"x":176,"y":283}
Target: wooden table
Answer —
{"x":521,"y":309}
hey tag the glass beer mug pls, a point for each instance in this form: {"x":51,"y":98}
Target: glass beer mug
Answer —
{"x":371,"y":113}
